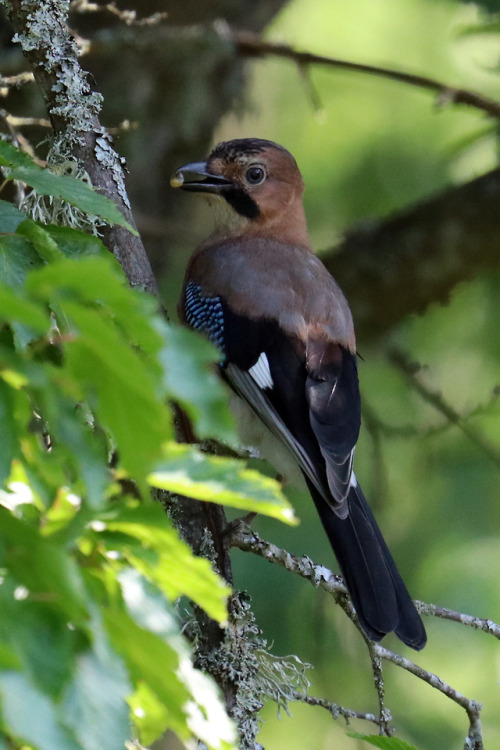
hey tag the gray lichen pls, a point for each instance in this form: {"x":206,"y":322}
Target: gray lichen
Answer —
{"x":72,"y":104}
{"x":244,"y":660}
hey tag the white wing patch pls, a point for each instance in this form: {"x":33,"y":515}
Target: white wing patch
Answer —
{"x":354,"y":482}
{"x":261,"y":372}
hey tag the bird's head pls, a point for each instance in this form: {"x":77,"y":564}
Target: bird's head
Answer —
{"x":259,"y":185}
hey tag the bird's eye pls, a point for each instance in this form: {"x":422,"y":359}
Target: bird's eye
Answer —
{"x":255,"y":175}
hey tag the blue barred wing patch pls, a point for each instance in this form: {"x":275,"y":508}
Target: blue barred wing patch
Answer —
{"x":205,"y":314}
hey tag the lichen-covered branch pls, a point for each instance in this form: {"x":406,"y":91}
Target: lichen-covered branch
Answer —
{"x":474,"y":740}
{"x":246,"y":539}
{"x":73,"y":108}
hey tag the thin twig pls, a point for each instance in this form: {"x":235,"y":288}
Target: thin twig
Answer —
{"x":409,"y":370}
{"x":472,"y":707}
{"x":128,"y":17}
{"x":336,"y":710}
{"x":251,"y":45}
{"x":378,"y":679}
{"x":246,"y":539}
{"x":14,"y":82}
{"x":477,"y":623}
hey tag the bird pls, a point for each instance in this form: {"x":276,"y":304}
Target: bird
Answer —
{"x":286,"y":338}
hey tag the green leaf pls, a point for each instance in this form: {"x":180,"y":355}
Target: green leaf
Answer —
{"x":15,"y":307}
{"x":10,"y":156}
{"x":17,"y":257}
{"x":74,"y":243}
{"x":205,"y":713}
{"x":95,"y":705}
{"x":185,"y":470}
{"x":173,"y":567}
{"x":72,"y":437}
{"x":126,"y":401}
{"x":384,"y":743}
{"x":31,"y":716}
{"x":41,"y":240}
{"x":120,"y":381}
{"x":74,"y":191}
{"x":8,"y":432}
{"x":10,"y":217}
{"x":41,"y":639}
{"x":150,"y":659}
{"x":43,"y":568}
{"x":189,"y":363}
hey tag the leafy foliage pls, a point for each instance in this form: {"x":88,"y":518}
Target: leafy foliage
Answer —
{"x":91,"y":566}
{"x":17,"y":165}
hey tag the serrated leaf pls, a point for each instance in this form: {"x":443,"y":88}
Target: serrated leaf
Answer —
{"x":42,"y":567}
{"x":75,"y":243}
{"x":10,"y":217}
{"x":41,"y":240}
{"x":189,"y":363}
{"x":185,"y":470}
{"x":150,"y":659}
{"x":10,"y":156}
{"x":30,"y":716}
{"x":95,"y":707}
{"x":384,"y":743}
{"x":74,"y":191}
{"x":126,"y":402}
{"x":173,"y":568}
{"x":17,"y":257}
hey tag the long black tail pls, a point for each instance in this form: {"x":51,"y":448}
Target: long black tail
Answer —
{"x":379,"y":595}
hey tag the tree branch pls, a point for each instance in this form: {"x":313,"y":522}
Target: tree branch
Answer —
{"x":246,"y":539}
{"x":391,"y":268}
{"x":73,"y":109}
{"x":474,"y":740}
{"x":251,"y":45}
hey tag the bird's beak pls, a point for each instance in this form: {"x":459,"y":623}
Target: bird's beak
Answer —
{"x":197,"y":177}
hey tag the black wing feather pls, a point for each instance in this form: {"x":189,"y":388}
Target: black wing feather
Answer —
{"x":314,"y":409}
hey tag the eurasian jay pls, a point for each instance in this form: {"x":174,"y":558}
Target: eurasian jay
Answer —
{"x":286,"y":336}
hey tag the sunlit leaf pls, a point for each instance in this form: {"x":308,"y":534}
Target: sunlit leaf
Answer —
{"x":149,"y":658}
{"x":189,"y":363}
{"x":8,"y":431}
{"x":173,"y":567}
{"x":95,"y":705}
{"x":41,"y":240}
{"x":185,"y":470}
{"x":41,"y":567}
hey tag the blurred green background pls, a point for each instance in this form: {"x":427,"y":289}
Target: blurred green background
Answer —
{"x":367,"y":147}
{"x":372,"y":147}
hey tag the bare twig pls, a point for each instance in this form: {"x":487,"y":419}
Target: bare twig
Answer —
{"x":14,"y":82}
{"x":436,"y":399}
{"x":128,"y":17}
{"x":473,"y":708}
{"x":336,"y":710}
{"x":252,"y":45}
{"x":378,"y":679}
{"x":477,"y":623}
{"x":246,"y":539}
